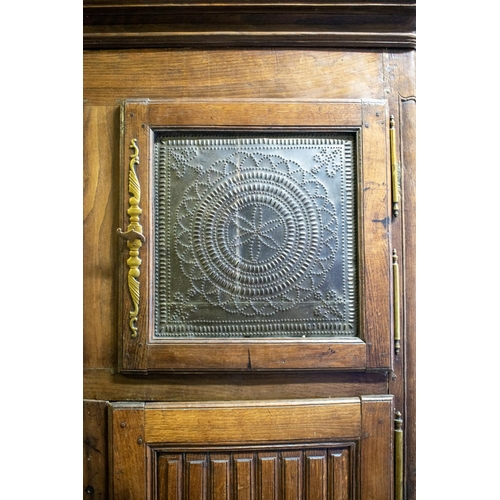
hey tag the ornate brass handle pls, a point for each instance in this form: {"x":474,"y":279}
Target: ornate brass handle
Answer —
{"x":134,"y":236}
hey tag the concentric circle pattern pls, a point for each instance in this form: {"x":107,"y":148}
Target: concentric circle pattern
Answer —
{"x":255,"y":234}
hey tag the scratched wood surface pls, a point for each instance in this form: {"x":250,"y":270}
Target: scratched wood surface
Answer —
{"x":95,"y":449}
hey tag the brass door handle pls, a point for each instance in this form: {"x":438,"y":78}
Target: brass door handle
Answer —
{"x":134,"y":237}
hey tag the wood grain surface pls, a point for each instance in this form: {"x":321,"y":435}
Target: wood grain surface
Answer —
{"x":243,"y":422}
{"x":109,"y":76}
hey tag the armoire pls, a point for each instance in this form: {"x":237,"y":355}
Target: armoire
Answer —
{"x":249,"y":249}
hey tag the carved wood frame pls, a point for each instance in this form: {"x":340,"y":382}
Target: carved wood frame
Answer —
{"x":371,"y":351}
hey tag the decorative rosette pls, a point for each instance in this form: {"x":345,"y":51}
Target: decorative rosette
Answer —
{"x":256,"y":234}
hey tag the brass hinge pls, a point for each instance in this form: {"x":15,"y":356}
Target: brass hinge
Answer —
{"x":396,"y":312}
{"x":134,"y":236}
{"x":394,"y":168}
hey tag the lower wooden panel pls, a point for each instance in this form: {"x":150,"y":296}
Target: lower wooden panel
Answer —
{"x":310,"y":449}
{"x":325,"y":473}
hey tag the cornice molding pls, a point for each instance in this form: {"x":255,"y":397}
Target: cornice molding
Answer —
{"x":248,"y":23}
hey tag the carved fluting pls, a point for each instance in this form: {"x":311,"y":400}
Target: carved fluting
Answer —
{"x":134,"y":237}
{"x":324,"y":473}
{"x":260,"y":229}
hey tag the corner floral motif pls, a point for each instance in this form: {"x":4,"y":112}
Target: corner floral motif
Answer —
{"x":329,"y":159}
{"x":331,"y":306}
{"x":181,"y":307}
{"x":183,"y":160}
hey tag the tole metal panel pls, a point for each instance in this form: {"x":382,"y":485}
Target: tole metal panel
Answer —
{"x":255,"y":235}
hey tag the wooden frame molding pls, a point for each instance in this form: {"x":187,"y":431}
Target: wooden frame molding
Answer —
{"x":308,"y":23}
{"x":371,"y":350}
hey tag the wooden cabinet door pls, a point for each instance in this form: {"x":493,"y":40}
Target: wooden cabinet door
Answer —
{"x":219,"y":412}
{"x":316,"y":449}
{"x":257,"y":236}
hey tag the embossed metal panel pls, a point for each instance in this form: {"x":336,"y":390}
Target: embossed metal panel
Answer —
{"x":255,"y":235}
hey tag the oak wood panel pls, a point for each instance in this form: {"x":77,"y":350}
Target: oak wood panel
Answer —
{"x":253,"y":74}
{"x":377,"y":467}
{"x":255,"y":355}
{"x":95,"y":450}
{"x":317,"y":73}
{"x":268,"y":113}
{"x":100,"y":244}
{"x":212,"y":423}
{"x":107,"y":384}
{"x":128,"y":460}
{"x":375,"y":241}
